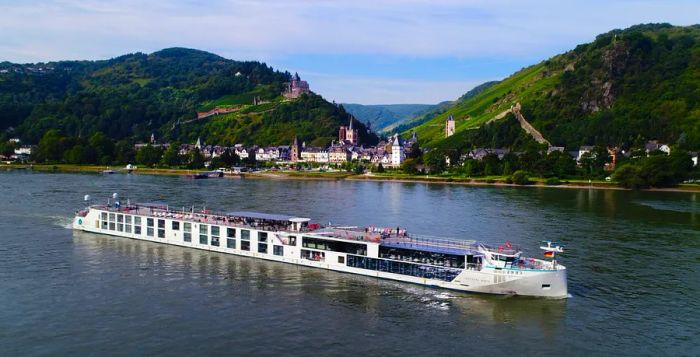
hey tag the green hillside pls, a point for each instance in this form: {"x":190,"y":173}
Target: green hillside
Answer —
{"x":129,"y":97}
{"x":437,"y":110}
{"x":627,"y":86}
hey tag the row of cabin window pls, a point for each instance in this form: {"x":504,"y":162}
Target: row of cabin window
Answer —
{"x":120,"y":223}
{"x":109,"y":223}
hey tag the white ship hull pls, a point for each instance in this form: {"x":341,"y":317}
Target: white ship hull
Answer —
{"x":490,"y":280}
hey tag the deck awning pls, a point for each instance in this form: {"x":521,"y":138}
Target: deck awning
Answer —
{"x":429,"y":248}
{"x":264,"y":216}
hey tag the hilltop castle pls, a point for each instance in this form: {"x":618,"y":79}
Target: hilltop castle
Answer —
{"x":296,"y":87}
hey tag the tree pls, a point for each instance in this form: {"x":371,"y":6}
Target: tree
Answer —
{"x":195,"y":159}
{"x":629,"y":176}
{"x":409,"y":166}
{"x":149,"y":155}
{"x":435,"y":160}
{"x":492,"y":165}
{"x":171,"y":156}
{"x":76,"y":155}
{"x":124,"y":152}
{"x":103,"y":147}
{"x":229,"y":158}
{"x":7,"y":148}
{"x":50,"y":148}
{"x":415,"y":151}
{"x":562,"y":163}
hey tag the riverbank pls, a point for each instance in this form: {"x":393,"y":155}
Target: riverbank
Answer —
{"x":337,"y":175}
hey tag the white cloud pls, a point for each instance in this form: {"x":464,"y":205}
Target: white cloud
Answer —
{"x":90,"y":28}
{"x":36,"y":30}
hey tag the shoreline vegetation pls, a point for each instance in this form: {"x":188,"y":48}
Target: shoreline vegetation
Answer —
{"x":498,"y":181}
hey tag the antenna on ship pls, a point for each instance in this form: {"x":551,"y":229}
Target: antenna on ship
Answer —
{"x":550,"y":249}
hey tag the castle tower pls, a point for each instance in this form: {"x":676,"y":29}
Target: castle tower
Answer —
{"x":198,"y":145}
{"x":153,"y":138}
{"x":449,"y":126}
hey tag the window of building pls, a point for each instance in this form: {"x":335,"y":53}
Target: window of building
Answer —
{"x":120,"y":223}
{"x":104,"y":216}
{"x":245,"y":234}
{"x":245,"y":245}
{"x":278,"y":250}
{"x":203,"y":230}
{"x":176,"y":225}
{"x":187,"y":232}
{"x":341,"y":260}
{"x":262,"y":248}
{"x":215,"y":236}
{"x":112,"y":222}
{"x":231,"y":243}
{"x":231,"y":232}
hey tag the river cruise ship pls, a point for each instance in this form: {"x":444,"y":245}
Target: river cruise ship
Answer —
{"x":388,"y":253}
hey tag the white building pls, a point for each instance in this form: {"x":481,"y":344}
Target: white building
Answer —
{"x":398,"y":155}
{"x":338,"y":154}
{"x":584,"y":150}
{"x":312,"y":154}
{"x":241,"y":151}
{"x":23,"y":150}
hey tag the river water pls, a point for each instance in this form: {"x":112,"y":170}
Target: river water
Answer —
{"x":633,"y":260}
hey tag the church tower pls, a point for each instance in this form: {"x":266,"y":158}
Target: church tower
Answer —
{"x":296,"y":150}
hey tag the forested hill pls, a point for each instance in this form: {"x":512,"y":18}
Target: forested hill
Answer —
{"x":132,"y":96}
{"x":627,"y":86}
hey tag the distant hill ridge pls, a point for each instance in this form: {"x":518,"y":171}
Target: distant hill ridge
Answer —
{"x":382,"y":116}
{"x":131,"y":96}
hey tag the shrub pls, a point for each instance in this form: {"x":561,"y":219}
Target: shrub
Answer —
{"x":630,"y":176}
{"x":552,"y":181}
{"x":520,"y":177}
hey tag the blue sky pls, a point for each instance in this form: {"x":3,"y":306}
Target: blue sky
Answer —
{"x":359,"y":51}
